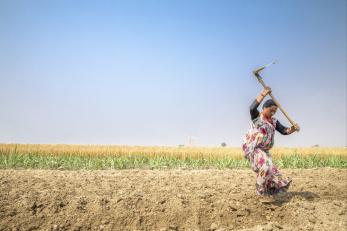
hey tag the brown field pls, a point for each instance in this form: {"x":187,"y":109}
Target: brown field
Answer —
{"x":169,"y":200}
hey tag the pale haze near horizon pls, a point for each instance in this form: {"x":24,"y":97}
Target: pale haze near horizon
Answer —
{"x":159,"y":72}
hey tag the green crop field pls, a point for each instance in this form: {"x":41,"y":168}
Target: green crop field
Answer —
{"x":93,"y":157}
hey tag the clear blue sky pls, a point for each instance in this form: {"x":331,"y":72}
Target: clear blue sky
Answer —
{"x":157,"y":72}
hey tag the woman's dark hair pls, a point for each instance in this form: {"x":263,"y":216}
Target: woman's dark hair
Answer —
{"x":269,"y":103}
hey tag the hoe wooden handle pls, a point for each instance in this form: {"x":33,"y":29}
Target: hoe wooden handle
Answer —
{"x":260,"y":79}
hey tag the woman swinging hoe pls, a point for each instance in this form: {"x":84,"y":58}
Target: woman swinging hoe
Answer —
{"x":260,"y":139}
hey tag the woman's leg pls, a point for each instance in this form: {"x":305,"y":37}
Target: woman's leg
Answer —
{"x":278,"y":183}
{"x":263,"y":165}
{"x":269,"y":180}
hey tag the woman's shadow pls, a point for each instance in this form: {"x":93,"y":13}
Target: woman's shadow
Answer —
{"x":283,"y":199}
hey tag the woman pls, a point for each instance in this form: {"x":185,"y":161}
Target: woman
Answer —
{"x":257,"y":143}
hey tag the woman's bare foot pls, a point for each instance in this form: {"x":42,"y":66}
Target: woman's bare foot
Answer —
{"x":266,"y":199}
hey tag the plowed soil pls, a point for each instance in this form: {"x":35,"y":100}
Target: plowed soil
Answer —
{"x":169,"y":200}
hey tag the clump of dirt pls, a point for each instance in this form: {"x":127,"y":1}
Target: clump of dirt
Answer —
{"x":169,"y":200}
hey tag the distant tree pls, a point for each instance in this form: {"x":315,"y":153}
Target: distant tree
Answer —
{"x":181,"y":145}
{"x":223,"y":144}
{"x":315,"y":146}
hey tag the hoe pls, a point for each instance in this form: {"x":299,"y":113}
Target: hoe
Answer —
{"x":256,"y":72}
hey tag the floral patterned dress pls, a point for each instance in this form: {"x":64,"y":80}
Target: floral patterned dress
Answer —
{"x":256,"y":145}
